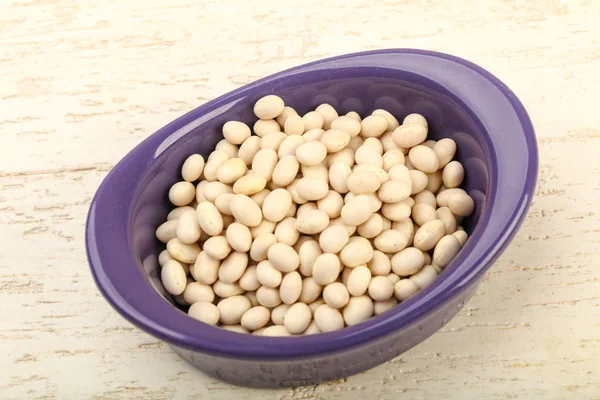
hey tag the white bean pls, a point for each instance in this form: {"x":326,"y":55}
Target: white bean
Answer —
{"x":357,"y":252}
{"x":226,"y":147}
{"x":408,"y":261}
{"x":173,"y":277}
{"x":209,"y":218}
{"x":185,"y":253}
{"x":373,"y":126}
{"x":167,"y":230}
{"x":424,"y":159}
{"x":297,"y":318}
{"x":268,"y":275}
{"x":264,"y":163}
{"x":188,"y":229}
{"x":182,"y":193}
{"x":409,"y":135}
{"x":233,"y":267}
{"x":390,"y":241}
{"x":336,"y":295}
{"x":311,"y":290}
{"x":348,"y":124}
{"x":461,"y":236}
{"x":268,"y":297}
{"x":264,"y":126}
{"x":331,"y":204}
{"x":195,"y":292}
{"x":391,"y":120}
{"x":338,"y":177}
{"x":404,"y":289}
{"x":255,"y":318}
{"x":445,"y":250}
{"x":312,"y":120}
{"x":261,"y":245}
{"x":272,"y":140}
{"x":233,"y":308}
{"x":358,"y":280}
{"x":312,"y":189}
{"x":311,"y":153}
{"x":379,"y":307}
{"x":328,"y":319}
{"x":217,"y":247}
{"x":313,"y":135}
{"x":328,"y":113}
{"x":394,"y":191}
{"x":248,"y":149}
{"x":250,"y":184}
{"x":363,"y":182}
{"x":278,"y":313}
{"x":335,"y":140}
{"x":371,"y":227}
{"x":427,"y":236}
{"x":284,"y":115}
{"x":312,"y":222}
{"x":369,"y":156}
{"x":357,"y":211}
{"x":422,"y":213}
{"x":205,"y":312}
{"x":283,"y":257}
{"x":286,"y":231}
{"x":461,"y":204}
{"x":226,"y":290}
{"x":231,"y":170}
{"x":276,"y":330}
{"x":246,"y":211}
{"x":249,"y":280}
{"x":453,"y":174}
{"x":268,"y":107}
{"x":290,"y":288}
{"x":424,"y":277}
{"x":192,"y":167}
{"x":294,"y":125}
{"x":357,"y":310}
{"x":326,"y":268}
{"x":380,"y":288}
{"x":445,"y":149}
{"x":333,"y":239}
{"x":308,"y":253}
{"x":265,"y":226}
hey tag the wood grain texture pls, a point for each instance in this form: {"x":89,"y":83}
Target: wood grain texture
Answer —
{"x":82,"y":82}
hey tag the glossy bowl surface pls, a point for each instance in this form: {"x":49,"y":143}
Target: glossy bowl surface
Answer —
{"x":460,"y":100}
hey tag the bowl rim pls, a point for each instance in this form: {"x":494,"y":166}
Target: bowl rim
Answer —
{"x":175,"y":327}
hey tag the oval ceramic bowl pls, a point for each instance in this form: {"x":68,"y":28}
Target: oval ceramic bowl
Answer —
{"x":459,"y":99}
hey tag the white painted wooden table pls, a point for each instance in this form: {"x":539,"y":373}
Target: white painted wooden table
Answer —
{"x":82,"y":82}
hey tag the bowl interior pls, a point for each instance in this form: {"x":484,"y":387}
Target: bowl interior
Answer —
{"x":356,"y":89}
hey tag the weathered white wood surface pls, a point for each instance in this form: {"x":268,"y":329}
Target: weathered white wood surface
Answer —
{"x":82,"y":82}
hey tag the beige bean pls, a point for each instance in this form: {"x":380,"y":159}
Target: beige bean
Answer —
{"x":326,"y":268}
{"x":276,"y":205}
{"x":269,"y":107}
{"x":192,"y":168}
{"x":316,"y":304}
{"x":335,"y":140}
{"x":445,"y":149}
{"x":261,"y":245}
{"x":375,"y":144}
{"x":404,"y":289}
{"x":212,"y":190}
{"x":313,"y":135}
{"x":182,"y":193}
{"x":278,"y":313}
{"x":331,"y":204}
{"x":312,"y":188}
{"x":268,"y":275}
{"x":209,"y":218}
{"x":461,"y":236}
{"x":264,"y":126}
{"x":173,"y":277}
{"x":289,"y":146}
{"x":409,"y":135}
{"x":205,"y":312}
{"x":276,"y":330}
{"x":336,"y":295}
{"x":373,"y":126}
{"x":408,"y":261}
{"x":255,"y":318}
{"x":177,"y":212}
{"x":235,"y":132}
{"x":333,"y":239}
{"x":392,"y":277}
{"x":287,"y":111}
{"x":357,"y":252}
{"x":391,"y":158}
{"x":424,"y":277}
{"x":371,"y":227}
{"x":461,"y":204}
{"x":399,"y":173}
{"x":188,"y":229}
{"x":356,"y":142}
{"x":427,"y":236}
{"x":390,"y":241}
{"x":369,"y":156}
{"x":358,"y":280}
{"x":363,"y":182}
{"x":357,"y":211}
{"x":217,"y":247}
{"x":185,"y":253}
{"x":392,"y":122}
{"x":387,"y":141}
{"x":344,"y":156}
{"x":380,"y":264}
{"x":328,"y":319}
{"x":422,"y":213}
{"x":357,"y":310}
{"x":318,"y":171}
{"x":249,"y":280}
{"x":312,"y":329}
{"x":246,"y":211}
{"x":453,"y":174}
{"x":379,"y":307}
{"x":338,"y":221}
{"x":419,"y":181}
{"x":424,"y":159}
{"x":167,"y":230}
{"x":231,"y":170}
{"x":415,"y":119}
{"x":249,"y":184}
{"x":248,"y":149}
{"x":233,"y":267}
{"x":195,"y":292}
{"x":233,"y":308}
{"x":223,"y":203}
{"x":286,"y":231}
{"x":448,"y":218}
{"x":252,"y":296}
{"x":311,"y":153}
{"x":226,"y":290}
{"x":397,"y":211}
{"x":268,"y":297}
{"x":328,"y":113}
{"x":283,"y":257}
{"x":294,"y":125}
{"x":444,"y":195}
{"x":272,"y":140}
{"x":297,"y":318}
{"x":264,"y":163}
{"x":163,"y":257}
{"x":312,"y":120}
{"x":338,"y":177}
{"x":226,"y":147}
{"x":291,"y":287}
{"x":394,"y":191}
{"x":425,"y":197}
{"x":380,"y":173}
{"x":311,"y":290}
{"x":206,"y":269}
{"x":308,"y":253}
{"x":380,"y":288}
{"x":312,"y":222}
{"x":354,"y":115}
{"x":434,"y":181}
{"x":347,"y":124}
{"x":445,"y":250}
{"x":265,"y":226}
{"x":215,"y":160}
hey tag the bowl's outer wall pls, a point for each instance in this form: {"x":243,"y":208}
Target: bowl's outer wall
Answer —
{"x":496,"y":145}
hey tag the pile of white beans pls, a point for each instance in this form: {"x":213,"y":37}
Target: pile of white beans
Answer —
{"x":313,"y":223}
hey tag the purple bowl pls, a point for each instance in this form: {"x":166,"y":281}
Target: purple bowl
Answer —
{"x":459,"y":99}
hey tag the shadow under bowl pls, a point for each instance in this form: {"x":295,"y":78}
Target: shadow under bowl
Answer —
{"x":460,"y":100}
